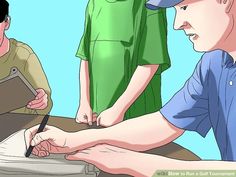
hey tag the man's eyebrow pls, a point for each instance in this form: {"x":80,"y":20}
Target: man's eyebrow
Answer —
{"x":182,"y":4}
{"x":188,"y":2}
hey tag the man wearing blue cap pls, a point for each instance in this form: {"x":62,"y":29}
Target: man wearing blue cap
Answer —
{"x":207,"y":100}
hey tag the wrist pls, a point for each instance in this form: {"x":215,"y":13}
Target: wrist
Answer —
{"x":84,"y":139}
{"x":134,"y":165}
{"x":120,"y":108}
{"x":138,"y":168}
{"x":84,"y":102}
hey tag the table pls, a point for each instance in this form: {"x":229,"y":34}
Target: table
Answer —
{"x":11,"y":122}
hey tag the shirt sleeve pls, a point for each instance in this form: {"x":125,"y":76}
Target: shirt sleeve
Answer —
{"x":188,"y":109}
{"x":35,"y":75}
{"x":153,"y":44}
{"x":83,"y":49}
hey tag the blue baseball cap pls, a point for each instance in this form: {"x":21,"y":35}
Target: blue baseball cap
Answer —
{"x":155,"y":4}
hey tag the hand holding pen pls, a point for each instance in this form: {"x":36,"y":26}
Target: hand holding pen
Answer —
{"x":43,"y":140}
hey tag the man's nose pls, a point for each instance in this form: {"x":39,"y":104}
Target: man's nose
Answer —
{"x":185,"y":25}
{"x":180,"y":23}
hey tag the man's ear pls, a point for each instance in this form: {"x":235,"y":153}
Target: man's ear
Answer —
{"x":7,"y":22}
{"x":229,"y":5}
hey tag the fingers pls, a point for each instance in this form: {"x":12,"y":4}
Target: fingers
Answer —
{"x":39,"y":137}
{"x":86,"y":119}
{"x":95,"y":117}
{"x":102,"y":122}
{"x":81,"y":119}
{"x":44,"y":151}
{"x":30,"y":133}
{"x":34,"y":129}
{"x":40,"y":94}
{"x":42,"y":104}
{"x":98,"y":121}
{"x":40,"y":151}
{"x":40,"y":101}
{"x":89,"y":117}
{"x":42,"y":146}
{"x":92,"y":118}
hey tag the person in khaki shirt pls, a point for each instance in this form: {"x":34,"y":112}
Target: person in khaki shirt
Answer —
{"x":17,"y":54}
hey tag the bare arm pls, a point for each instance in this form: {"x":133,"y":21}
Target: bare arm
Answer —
{"x":138,"y":83}
{"x":84,"y":83}
{"x":139,"y":134}
{"x":141,"y":164}
{"x":84,"y":113}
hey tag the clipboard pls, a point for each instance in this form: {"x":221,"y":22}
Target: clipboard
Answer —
{"x":15,"y":91}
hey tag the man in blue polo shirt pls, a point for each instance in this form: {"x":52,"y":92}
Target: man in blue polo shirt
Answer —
{"x":207,"y":100}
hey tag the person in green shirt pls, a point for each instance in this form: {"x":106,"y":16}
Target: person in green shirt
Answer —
{"x":123,"y":52}
{"x":17,"y":54}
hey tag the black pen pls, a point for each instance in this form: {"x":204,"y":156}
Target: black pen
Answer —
{"x":40,"y":129}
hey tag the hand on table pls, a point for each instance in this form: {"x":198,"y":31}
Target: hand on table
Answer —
{"x":109,"y":117}
{"x":108,"y":158}
{"x":51,"y":140}
{"x":40,"y":102}
{"x":85,"y":115}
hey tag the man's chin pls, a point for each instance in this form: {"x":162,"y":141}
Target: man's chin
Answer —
{"x":199,"y":48}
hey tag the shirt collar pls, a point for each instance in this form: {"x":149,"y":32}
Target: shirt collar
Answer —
{"x":228,"y":60}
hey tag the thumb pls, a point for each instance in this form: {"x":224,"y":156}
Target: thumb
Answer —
{"x":98,"y":121}
{"x":71,"y":157}
{"x":90,"y":118}
{"x":40,"y":137}
{"x":75,"y":156}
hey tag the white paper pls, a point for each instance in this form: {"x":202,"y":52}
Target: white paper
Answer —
{"x":14,"y":162}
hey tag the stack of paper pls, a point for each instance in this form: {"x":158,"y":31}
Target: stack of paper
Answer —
{"x":14,"y":163}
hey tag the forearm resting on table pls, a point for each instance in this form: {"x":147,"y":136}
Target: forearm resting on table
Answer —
{"x":148,"y":131}
{"x":84,"y":82}
{"x":138,"y":83}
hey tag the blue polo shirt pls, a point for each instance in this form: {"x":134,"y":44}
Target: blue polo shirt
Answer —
{"x":208,"y":100}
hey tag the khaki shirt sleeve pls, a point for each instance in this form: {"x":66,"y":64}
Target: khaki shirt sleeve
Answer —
{"x":153,"y":43}
{"x":37,"y":78}
{"x":83,"y":49}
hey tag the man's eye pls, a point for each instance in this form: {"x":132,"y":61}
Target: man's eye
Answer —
{"x":184,"y":7}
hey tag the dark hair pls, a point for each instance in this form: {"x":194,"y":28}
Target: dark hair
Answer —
{"x":4,"y":10}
